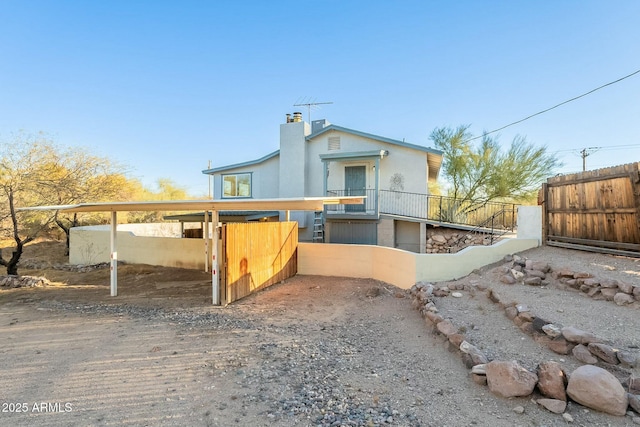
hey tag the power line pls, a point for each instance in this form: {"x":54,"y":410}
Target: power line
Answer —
{"x":555,"y":106}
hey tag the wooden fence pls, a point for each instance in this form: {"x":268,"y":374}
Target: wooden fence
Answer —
{"x":255,"y":256}
{"x":596,"y":210}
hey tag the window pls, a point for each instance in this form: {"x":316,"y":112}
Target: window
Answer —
{"x":238,"y":185}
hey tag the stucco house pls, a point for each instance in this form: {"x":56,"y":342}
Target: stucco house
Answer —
{"x":323,"y":159}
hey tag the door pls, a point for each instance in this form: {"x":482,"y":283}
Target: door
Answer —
{"x":355,"y":182}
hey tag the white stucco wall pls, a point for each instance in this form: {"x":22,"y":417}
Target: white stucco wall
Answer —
{"x":409,"y":164}
{"x":530,"y":222}
{"x":264,"y":180}
{"x":398,"y":267}
{"x":91,"y":245}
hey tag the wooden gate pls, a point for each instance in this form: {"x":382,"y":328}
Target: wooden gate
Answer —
{"x":256,"y":255}
{"x":595,"y":210}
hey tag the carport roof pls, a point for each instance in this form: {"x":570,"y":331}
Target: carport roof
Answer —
{"x":297,"y":204}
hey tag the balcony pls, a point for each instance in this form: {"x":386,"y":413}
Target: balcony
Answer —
{"x":432,"y":209}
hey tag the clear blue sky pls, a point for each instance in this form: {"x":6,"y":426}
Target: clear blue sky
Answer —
{"x":164,"y":87}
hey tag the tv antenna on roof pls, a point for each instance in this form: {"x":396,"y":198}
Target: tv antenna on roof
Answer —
{"x":310,"y":104}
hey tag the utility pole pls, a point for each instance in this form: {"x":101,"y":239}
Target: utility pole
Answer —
{"x":586,"y":152}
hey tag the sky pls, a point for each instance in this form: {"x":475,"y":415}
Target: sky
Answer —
{"x":165,"y":87}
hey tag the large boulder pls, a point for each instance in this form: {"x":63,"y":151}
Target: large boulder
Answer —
{"x":598,"y":389}
{"x":509,"y":379}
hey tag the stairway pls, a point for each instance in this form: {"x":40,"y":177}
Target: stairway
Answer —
{"x":318,"y":227}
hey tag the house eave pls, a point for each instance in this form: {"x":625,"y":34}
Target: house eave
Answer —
{"x":374,"y":137}
{"x":241,"y":165}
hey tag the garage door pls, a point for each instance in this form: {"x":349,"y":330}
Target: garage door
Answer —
{"x":354,"y":232}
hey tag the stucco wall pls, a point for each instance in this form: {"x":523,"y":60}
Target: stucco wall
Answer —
{"x":264,"y":179}
{"x":91,"y":245}
{"x":398,"y":267}
{"x":407,"y":166}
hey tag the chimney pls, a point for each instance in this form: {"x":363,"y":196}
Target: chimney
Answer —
{"x":289,"y":118}
{"x":297,"y":116}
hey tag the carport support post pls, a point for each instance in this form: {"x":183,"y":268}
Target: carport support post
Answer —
{"x":215,"y":277}
{"x":114,"y":254}
{"x":205,"y":236}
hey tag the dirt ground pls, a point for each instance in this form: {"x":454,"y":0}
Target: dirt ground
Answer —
{"x":311,"y":351}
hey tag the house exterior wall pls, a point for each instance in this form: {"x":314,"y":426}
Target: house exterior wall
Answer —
{"x":264,"y":180}
{"x":407,"y":236}
{"x":404,"y":169}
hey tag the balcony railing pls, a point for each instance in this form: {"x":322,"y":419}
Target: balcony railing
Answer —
{"x":369,"y":207}
{"x":427,"y":207}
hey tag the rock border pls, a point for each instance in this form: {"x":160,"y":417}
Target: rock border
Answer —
{"x":603,"y":391}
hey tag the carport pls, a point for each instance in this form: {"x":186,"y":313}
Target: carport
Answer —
{"x":211,"y":208}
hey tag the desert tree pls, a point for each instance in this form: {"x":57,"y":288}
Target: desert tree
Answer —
{"x":483,"y":172}
{"x":22,"y":165}
{"x":74,"y":175}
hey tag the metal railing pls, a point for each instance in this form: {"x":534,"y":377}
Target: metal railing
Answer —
{"x":442,"y":209}
{"x":369,"y":207}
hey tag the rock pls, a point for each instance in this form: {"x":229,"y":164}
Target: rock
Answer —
{"x":609,"y":293}
{"x":603,"y":352}
{"x":598,"y":389}
{"x":634,"y":385}
{"x":577,"y":336}
{"x":552,"y":380}
{"x":567,"y":417}
{"x":582,"y":275}
{"x":591,"y":282}
{"x":508,"y":258}
{"x":519,"y":409}
{"x":517,"y":274}
{"x":511,"y":312}
{"x":563,"y":273}
{"x":583,"y":354}
{"x":446,"y":328}
{"x":435,"y":318}
{"x":456,"y":294}
{"x":628,"y":359}
{"x":560,"y":345}
{"x":636,"y":292}
{"x":438,"y":238}
{"x":609,"y":283}
{"x":551,"y":330}
{"x":538,"y":324}
{"x":594,"y":292}
{"x":541,"y":266}
{"x":533,"y":281}
{"x":508,"y":279}
{"x":509,"y":379}
{"x":494,"y":296}
{"x":456,"y":340}
{"x":625,"y":287}
{"x":554,"y":405}
{"x":479,"y":369}
{"x":623,"y":299}
{"x":479,"y":379}
{"x":527,"y":328}
{"x":526,"y":316}
{"x":522,"y":308}
{"x":476,"y":357}
{"x":535,"y":273}
{"x":634,"y":402}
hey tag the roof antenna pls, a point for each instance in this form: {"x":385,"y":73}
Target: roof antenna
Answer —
{"x":310,"y":104}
